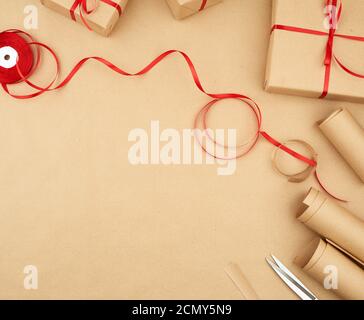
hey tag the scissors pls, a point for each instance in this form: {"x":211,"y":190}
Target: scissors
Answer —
{"x":290,"y":279}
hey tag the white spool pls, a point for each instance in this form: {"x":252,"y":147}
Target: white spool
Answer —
{"x":8,"y":57}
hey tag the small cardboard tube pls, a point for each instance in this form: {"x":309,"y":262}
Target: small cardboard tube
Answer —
{"x":332,"y":269}
{"x":241,"y":282}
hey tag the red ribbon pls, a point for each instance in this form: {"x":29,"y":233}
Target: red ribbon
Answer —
{"x":334,"y":12}
{"x":216,"y":96}
{"x":203,"y":5}
{"x":310,"y":162}
{"x":11,"y":37}
{"x":82,"y":6}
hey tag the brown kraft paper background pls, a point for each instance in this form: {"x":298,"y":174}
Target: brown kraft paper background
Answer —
{"x":241,"y":282}
{"x":96,"y":226}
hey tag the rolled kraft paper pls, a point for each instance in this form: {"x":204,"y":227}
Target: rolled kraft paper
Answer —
{"x":333,"y":222}
{"x":241,"y":282}
{"x":345,"y":133}
{"x":333,"y":270}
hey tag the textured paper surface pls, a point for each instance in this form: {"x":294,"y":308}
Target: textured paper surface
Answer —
{"x":102,"y":21}
{"x":320,"y":257}
{"x":346,"y":134}
{"x":241,"y":282}
{"x":333,"y":222}
{"x":295,"y":60}
{"x":184,"y":8}
{"x":98,"y":227}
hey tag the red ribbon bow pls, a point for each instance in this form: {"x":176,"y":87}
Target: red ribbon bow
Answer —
{"x":333,"y":11}
{"x":82,"y":5}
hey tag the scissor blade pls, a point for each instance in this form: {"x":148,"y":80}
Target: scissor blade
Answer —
{"x":293,"y":277}
{"x":288,"y":282}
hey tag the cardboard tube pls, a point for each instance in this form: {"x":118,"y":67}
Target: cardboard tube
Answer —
{"x":333,"y":222}
{"x":347,"y":136}
{"x":241,"y":282}
{"x":333,"y":270}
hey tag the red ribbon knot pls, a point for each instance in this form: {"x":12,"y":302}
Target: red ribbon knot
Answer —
{"x":334,"y":12}
{"x":83,"y":7}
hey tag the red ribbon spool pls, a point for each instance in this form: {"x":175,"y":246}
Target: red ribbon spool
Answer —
{"x":25,"y":59}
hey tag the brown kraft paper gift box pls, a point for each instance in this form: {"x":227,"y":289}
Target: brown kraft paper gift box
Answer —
{"x":102,"y":20}
{"x":296,"y":60}
{"x":184,"y":8}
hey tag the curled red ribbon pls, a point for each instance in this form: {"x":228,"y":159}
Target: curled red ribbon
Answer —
{"x":334,"y":12}
{"x":83,"y":7}
{"x":203,"y":5}
{"x":23,"y":70}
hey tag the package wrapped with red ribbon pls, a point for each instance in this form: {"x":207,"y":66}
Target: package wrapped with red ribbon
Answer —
{"x":184,"y":8}
{"x":100,"y":16}
{"x":316,"y":49}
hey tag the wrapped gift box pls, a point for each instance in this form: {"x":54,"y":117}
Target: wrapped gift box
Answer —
{"x":296,"y":59}
{"x":102,"y":20}
{"x":184,"y":8}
